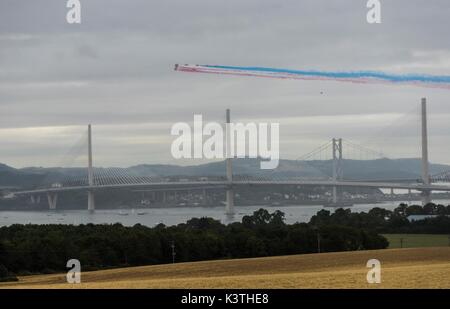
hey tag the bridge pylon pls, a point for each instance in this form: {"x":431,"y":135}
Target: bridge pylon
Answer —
{"x":426,"y":194}
{"x":91,"y":197}
{"x":229,"y":208}
{"x":338,"y":172}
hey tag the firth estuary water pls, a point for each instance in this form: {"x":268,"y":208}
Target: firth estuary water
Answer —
{"x":171,"y":216}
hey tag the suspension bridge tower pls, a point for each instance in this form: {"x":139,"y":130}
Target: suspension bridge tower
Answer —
{"x":91,"y":200}
{"x":426,"y":194}
{"x":338,"y":171}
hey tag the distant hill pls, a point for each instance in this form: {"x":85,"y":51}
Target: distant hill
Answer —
{"x":11,"y":177}
{"x":353,"y":170}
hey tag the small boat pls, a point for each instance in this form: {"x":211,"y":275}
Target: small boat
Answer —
{"x":122,"y":213}
{"x":140,"y":213}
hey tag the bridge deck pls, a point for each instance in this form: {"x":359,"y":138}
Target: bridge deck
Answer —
{"x":218,"y":184}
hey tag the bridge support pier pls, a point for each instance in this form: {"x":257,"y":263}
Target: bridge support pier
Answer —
{"x":91,"y":201}
{"x":52,"y":199}
{"x":35,"y":199}
{"x":229,"y":208}
{"x":204,"y":197}
{"x":426,"y":197}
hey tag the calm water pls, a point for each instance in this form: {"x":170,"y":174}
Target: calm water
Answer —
{"x":168,"y":216}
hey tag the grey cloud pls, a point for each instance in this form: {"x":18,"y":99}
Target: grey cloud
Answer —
{"x":116,"y":70}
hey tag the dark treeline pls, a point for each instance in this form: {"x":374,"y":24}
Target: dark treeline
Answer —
{"x":31,"y":248}
{"x":381,"y":220}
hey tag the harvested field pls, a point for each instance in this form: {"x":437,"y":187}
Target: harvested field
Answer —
{"x":401,"y":268}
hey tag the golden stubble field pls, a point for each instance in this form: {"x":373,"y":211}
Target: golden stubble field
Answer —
{"x":401,"y":268}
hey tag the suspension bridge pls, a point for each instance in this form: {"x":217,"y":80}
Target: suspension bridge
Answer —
{"x":96,"y":179}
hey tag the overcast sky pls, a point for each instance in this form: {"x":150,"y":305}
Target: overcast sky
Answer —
{"x":115,"y":70}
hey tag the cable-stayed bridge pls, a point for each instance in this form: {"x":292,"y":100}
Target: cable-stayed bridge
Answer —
{"x":95,"y":179}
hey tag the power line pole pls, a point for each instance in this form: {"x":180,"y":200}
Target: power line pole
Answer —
{"x":318,"y":242}
{"x":173,"y":251}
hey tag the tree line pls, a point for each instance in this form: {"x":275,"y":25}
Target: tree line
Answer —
{"x":436,"y":219}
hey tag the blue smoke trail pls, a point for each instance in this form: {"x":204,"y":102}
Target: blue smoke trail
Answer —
{"x":352,"y":76}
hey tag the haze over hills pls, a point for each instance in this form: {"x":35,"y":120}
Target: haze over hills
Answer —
{"x":11,"y":177}
{"x":353,"y":169}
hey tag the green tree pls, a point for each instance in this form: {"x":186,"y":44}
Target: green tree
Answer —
{"x":400,"y":210}
{"x":3,"y":271}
